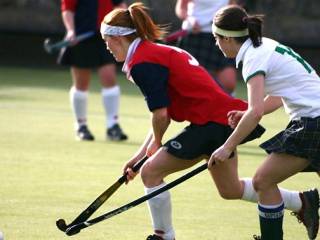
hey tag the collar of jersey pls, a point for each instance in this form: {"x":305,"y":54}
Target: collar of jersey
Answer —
{"x":242,"y":51}
{"x":132,"y":48}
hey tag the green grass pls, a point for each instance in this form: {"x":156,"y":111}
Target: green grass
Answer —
{"x":45,"y":174}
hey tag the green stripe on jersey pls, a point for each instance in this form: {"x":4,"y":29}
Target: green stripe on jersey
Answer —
{"x":260,"y":72}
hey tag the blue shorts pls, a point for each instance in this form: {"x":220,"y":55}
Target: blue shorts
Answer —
{"x":198,"y":140}
{"x":89,"y":53}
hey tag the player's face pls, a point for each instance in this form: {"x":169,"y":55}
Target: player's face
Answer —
{"x":115,"y":48}
{"x":224,"y":45}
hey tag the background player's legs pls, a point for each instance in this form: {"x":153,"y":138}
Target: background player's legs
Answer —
{"x":227,"y":77}
{"x":79,"y":101}
{"x":110,"y":99}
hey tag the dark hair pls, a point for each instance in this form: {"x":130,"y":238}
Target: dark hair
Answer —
{"x":234,"y":17}
{"x":136,"y":17}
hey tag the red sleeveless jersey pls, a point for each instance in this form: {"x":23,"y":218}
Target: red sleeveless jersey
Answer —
{"x":88,"y":13}
{"x":194,"y":95}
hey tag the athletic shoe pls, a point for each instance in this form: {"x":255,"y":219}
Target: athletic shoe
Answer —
{"x":83,"y":134}
{"x":255,"y":237}
{"x":115,"y":133}
{"x":154,"y":237}
{"x":309,"y":214}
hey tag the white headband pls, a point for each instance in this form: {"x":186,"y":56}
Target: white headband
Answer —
{"x":115,"y":30}
{"x":229,"y":33}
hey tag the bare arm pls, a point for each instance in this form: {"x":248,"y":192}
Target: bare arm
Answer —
{"x":248,"y":122}
{"x":153,"y":141}
{"x":160,"y":123}
{"x":252,"y":116}
{"x":181,"y":9}
{"x":68,"y":21}
{"x":272,"y":103}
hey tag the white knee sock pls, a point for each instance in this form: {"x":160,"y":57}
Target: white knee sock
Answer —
{"x":110,"y":100}
{"x":79,"y":102}
{"x":291,"y":199}
{"x":160,"y":211}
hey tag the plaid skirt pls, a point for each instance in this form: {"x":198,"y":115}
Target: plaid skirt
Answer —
{"x":203,"y":47}
{"x":301,"y":138}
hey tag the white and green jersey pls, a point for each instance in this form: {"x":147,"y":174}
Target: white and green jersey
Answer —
{"x":287,"y":75}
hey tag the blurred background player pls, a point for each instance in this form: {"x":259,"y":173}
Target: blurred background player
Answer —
{"x":197,"y":18}
{"x":80,"y":16}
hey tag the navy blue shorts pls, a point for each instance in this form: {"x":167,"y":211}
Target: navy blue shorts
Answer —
{"x":198,"y":140}
{"x":301,"y":138}
{"x":89,"y":53}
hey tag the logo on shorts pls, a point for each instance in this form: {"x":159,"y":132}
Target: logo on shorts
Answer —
{"x":175,"y":144}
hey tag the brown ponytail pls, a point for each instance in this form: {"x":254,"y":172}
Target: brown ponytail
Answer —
{"x":136,"y":17}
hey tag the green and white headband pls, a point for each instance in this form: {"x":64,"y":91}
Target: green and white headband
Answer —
{"x":115,"y":30}
{"x":229,"y":33}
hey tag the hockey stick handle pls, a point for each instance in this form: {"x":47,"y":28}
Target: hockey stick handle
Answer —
{"x":65,"y":43}
{"x":135,"y":168}
{"x":78,"y":227}
{"x":175,"y":35}
{"x":83,"y":216}
{"x":181,"y":33}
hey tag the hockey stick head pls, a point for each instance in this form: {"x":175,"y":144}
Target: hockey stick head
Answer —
{"x":61,"y":224}
{"x":47,"y":45}
{"x":73,"y":230}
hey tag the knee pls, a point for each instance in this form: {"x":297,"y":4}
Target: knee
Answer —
{"x":229,"y":195}
{"x":149,"y":176}
{"x":144,"y":173}
{"x":259,"y":182}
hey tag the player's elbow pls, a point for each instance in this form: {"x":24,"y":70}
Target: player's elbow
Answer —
{"x":257,"y":113}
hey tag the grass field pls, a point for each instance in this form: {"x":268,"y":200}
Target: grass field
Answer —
{"x":45,"y":174}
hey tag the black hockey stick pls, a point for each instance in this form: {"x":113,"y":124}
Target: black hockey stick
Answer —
{"x":50,"y":47}
{"x":72,"y":230}
{"x":83,"y":216}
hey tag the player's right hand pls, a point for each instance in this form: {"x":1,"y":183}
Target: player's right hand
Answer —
{"x":127,"y":170}
{"x":71,"y":36}
{"x":234,"y":118}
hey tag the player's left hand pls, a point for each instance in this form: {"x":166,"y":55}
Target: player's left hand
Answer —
{"x":219,"y":156}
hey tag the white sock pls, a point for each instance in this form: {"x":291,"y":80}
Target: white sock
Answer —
{"x":79,"y":102}
{"x":110,"y":100}
{"x":160,"y":211}
{"x":291,"y":199}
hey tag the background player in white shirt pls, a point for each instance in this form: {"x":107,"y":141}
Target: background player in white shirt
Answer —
{"x":275,"y":75}
{"x":197,"y":19}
